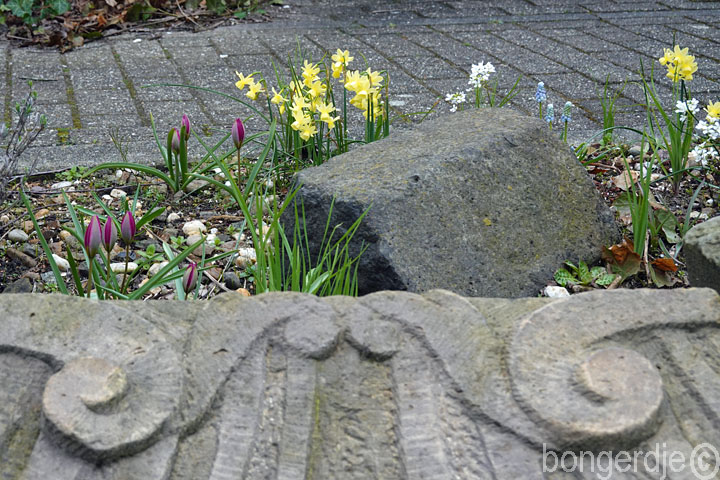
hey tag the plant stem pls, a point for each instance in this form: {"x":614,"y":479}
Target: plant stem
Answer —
{"x":127,"y":259}
{"x":90,"y":278}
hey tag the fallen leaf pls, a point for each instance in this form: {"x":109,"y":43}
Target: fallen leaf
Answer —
{"x":625,"y":179}
{"x":664,"y":264}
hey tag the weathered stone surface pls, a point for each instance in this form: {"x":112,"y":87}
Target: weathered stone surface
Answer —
{"x":482,"y":203}
{"x":702,"y":254}
{"x":392,"y":385}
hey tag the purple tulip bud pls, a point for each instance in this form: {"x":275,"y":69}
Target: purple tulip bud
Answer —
{"x":175,"y":141}
{"x":109,"y":234}
{"x":238,"y":133}
{"x":185,"y":122}
{"x":93,"y":236}
{"x":127,"y":228}
{"x":190,"y":277}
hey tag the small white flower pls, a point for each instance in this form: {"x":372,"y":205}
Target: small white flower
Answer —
{"x":480,"y":74}
{"x":683,"y":107}
{"x":455,"y":99}
{"x":703,"y":154}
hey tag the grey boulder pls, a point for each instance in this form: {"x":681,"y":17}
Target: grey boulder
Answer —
{"x":702,"y":254}
{"x":482,"y":203}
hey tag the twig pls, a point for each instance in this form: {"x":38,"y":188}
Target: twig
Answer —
{"x":185,"y":14}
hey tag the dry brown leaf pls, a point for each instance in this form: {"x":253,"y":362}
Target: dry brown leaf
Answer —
{"x":625,"y":179}
{"x":664,"y":264}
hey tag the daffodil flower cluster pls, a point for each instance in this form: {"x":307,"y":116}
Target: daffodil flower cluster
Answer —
{"x":679,"y":63}
{"x":307,"y":98}
{"x":367,"y":87}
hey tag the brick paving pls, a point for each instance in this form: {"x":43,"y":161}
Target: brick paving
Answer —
{"x":426,"y":46}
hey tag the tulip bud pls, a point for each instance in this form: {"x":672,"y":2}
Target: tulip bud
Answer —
{"x":175,"y":141}
{"x":190,"y":277}
{"x":127,"y":228}
{"x":238,"y":133}
{"x":109,"y":234}
{"x":185,"y":122}
{"x":93,"y":237}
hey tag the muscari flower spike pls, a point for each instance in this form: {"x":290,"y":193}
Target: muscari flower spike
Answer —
{"x":550,"y":113}
{"x":540,"y":93}
{"x":567,"y":113}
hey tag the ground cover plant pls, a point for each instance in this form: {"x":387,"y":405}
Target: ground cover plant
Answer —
{"x":206,"y":220}
{"x":70,"y":23}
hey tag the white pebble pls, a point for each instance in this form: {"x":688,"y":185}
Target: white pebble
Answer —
{"x":155,"y":268}
{"x":62,"y":264}
{"x":555,"y":292}
{"x":17,"y":235}
{"x":194,"y":227}
{"x":119,"y":267}
{"x":117,"y":193}
{"x":173,"y":217}
{"x":246,"y":257}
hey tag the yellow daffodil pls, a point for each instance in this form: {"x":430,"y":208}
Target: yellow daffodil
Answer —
{"x":713,"y":111}
{"x":375,"y":78}
{"x":253,"y":90}
{"x":307,"y":131}
{"x":351,"y":79}
{"x":342,"y":56}
{"x":278,"y":100}
{"x":337,"y":69}
{"x":679,"y":63}
{"x":325,"y":110}
{"x":330,"y":121}
{"x":316,"y":89}
{"x":244,"y":81}
{"x":309,"y":73}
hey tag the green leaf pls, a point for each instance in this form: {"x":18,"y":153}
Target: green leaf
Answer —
{"x":45,"y":246}
{"x":597,"y":272}
{"x":584,"y":273}
{"x":669,"y":225}
{"x":240,"y":15}
{"x":563,"y":277}
{"x":605,"y":279}
{"x":59,"y":6}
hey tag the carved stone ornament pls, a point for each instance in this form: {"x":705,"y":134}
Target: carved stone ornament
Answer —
{"x":392,"y":385}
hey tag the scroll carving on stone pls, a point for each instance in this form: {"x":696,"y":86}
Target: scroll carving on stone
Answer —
{"x":391,"y":385}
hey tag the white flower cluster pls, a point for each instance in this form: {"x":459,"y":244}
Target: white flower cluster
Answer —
{"x":480,"y":74}
{"x":683,"y":107}
{"x":455,"y":99}
{"x":709,"y":129}
{"x":704,"y":152}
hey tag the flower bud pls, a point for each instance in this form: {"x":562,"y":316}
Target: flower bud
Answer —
{"x":190,"y":277}
{"x":175,"y":141}
{"x":127,"y":228}
{"x":540,"y":93}
{"x":109,"y":234}
{"x":93,"y":237}
{"x":185,"y":122}
{"x":238,"y":133}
